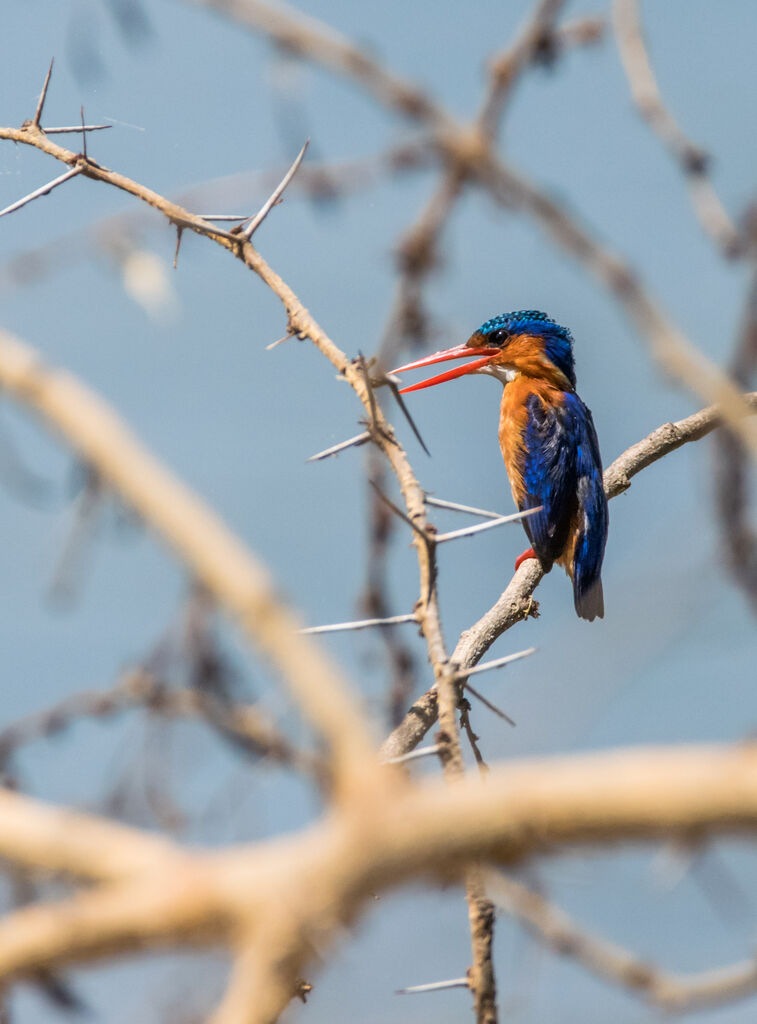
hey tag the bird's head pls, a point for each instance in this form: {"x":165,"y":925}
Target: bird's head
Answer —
{"x":526,"y":342}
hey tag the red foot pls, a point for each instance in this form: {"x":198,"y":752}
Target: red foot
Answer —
{"x":529,"y":553}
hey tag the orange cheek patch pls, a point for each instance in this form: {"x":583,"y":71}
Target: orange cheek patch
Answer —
{"x":526,"y":354}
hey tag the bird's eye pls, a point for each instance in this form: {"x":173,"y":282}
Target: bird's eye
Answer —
{"x":500,"y":337}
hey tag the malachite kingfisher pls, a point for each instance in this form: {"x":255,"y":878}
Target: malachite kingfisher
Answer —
{"x":548,"y":442}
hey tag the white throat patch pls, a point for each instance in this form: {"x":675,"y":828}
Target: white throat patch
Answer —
{"x":504,"y":374}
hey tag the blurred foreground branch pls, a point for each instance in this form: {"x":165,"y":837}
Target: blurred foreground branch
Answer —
{"x":155,"y":894}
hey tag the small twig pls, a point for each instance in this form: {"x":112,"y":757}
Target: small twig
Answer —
{"x":663,"y":440}
{"x":43,"y":191}
{"x":418,"y":752}
{"x":486,"y":666}
{"x":535,"y":41}
{"x":465,"y":722}
{"x":351,"y":442}
{"x":244,"y":725}
{"x":468,"y":531}
{"x":456,"y":506}
{"x":488,"y":704}
{"x":43,"y":96}
{"x":87,"y":509}
{"x":434,"y":986}
{"x":340,"y":627}
{"x":275,"y":196}
{"x":427,"y":538}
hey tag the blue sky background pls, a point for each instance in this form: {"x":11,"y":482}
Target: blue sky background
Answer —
{"x":198,"y":98}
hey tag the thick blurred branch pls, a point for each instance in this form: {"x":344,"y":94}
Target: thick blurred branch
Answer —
{"x":733,"y":468}
{"x":218,"y":559}
{"x":160,"y":895}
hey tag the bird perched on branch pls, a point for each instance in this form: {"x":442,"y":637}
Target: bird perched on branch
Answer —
{"x":548,"y":442}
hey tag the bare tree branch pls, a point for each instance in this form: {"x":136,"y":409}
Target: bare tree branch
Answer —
{"x":246,"y":725}
{"x":673,"y":993}
{"x":693,"y":161}
{"x":468,"y":153}
{"x":516,"y":601}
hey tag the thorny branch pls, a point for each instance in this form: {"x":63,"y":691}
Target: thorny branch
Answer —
{"x":472,"y":154}
{"x":470,"y":158}
{"x":417,"y":257}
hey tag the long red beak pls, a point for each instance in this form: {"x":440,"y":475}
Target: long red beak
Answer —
{"x":458,"y":352}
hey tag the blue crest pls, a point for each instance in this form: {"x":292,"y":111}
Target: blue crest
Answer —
{"x":558,"y":341}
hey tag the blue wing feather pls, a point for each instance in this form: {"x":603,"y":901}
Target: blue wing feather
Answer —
{"x":592,"y":536}
{"x":563,"y":473}
{"x":549,"y":477}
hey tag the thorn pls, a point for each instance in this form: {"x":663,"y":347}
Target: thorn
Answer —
{"x":279,"y":341}
{"x":351,"y":442}
{"x":223,"y":216}
{"x":434,"y":986}
{"x":339,"y":627}
{"x":394,"y":388}
{"x":494,"y":663}
{"x":420,"y":752}
{"x":455,"y":506}
{"x":43,"y":191}
{"x":488,"y":704}
{"x":467,"y":531}
{"x":43,"y":96}
{"x":275,"y":196}
{"x":83,"y":133}
{"x":179,"y":233}
{"x":398,"y":512}
{"x":69,"y":129}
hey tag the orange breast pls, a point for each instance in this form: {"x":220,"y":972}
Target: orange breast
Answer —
{"x":512,"y":425}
